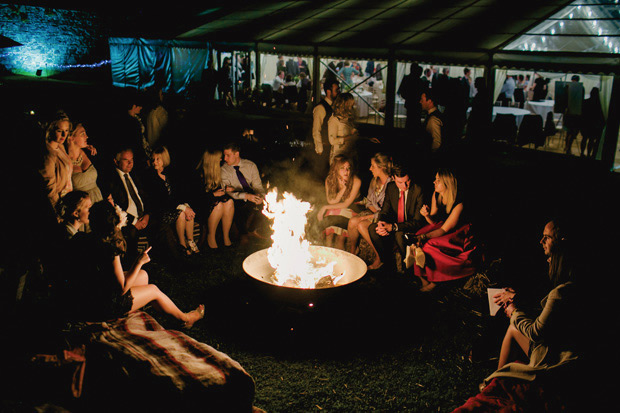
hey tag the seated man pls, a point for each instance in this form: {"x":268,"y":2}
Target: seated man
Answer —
{"x":243,"y":183}
{"x":400,"y":214}
{"x":127,"y":192}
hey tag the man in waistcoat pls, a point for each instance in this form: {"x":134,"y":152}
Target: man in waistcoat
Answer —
{"x":433,"y":124}
{"x":320,"y":115}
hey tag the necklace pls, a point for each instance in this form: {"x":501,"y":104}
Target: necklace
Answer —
{"x":78,"y":161}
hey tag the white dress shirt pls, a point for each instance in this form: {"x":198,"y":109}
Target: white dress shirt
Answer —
{"x":132,"y":208}
{"x":249,"y":171}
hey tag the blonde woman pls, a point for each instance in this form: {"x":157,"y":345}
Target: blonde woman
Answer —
{"x":57,"y":167}
{"x":342,"y":189}
{"x":215,"y":204}
{"x":447,"y":240}
{"x":341,"y":129}
{"x":84,"y":176}
{"x":169,"y":207}
{"x":381,"y":169}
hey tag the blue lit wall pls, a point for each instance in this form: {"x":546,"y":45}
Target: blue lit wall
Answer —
{"x":53,"y":40}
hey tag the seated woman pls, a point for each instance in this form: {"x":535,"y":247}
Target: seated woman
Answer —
{"x":214,"y":203}
{"x":548,"y":341}
{"x":102,"y":288}
{"x":447,"y":241}
{"x":73,"y":210}
{"x":342,"y":188}
{"x":57,"y":167}
{"x":168,"y":207}
{"x":84,"y":177}
{"x":380,"y":167}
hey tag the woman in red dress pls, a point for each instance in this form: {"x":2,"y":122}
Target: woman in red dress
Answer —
{"x":447,"y":241}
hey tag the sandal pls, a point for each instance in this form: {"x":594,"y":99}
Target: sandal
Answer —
{"x":185,"y":250}
{"x":197,"y":314}
{"x":192,"y":245}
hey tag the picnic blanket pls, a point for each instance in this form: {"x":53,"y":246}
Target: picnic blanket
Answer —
{"x":199,"y":374}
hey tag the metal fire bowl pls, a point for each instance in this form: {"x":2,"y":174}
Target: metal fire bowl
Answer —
{"x":258,"y":268}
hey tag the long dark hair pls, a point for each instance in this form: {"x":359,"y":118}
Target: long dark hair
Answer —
{"x":104,"y":222}
{"x":332,"y":176}
{"x":563,"y":258}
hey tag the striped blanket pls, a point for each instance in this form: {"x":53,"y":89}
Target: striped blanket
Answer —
{"x":176,"y":362}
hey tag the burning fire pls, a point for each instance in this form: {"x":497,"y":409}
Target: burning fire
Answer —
{"x":290,"y":253}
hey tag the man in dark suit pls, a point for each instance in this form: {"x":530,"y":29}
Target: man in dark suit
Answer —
{"x":400,"y":214}
{"x":292,"y":68}
{"x":127,"y":192}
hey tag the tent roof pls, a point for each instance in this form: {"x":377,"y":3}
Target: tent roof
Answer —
{"x":434,"y":31}
{"x":447,"y":31}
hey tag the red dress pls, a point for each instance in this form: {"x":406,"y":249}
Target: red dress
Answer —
{"x":448,"y":257}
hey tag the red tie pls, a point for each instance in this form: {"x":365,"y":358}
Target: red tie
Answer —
{"x":401,"y":207}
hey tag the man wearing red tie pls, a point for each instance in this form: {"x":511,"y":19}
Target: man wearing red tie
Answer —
{"x":400,"y":214}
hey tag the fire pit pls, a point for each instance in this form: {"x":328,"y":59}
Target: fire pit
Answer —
{"x":293,"y":269}
{"x":348,"y":268}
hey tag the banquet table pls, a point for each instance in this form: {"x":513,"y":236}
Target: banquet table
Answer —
{"x":519,"y":113}
{"x":541,"y":108}
{"x":361,"y":107}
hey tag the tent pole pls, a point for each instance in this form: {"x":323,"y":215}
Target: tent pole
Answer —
{"x":258,"y":73}
{"x":489,"y":75}
{"x":390,"y":92}
{"x":316,"y":77}
{"x":610,"y":140}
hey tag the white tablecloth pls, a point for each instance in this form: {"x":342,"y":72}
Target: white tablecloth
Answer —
{"x":361,"y":107}
{"x":519,"y":113}
{"x":541,"y":108}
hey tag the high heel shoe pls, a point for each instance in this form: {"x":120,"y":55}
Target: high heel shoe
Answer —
{"x":185,"y":250}
{"x":192,"y":245}
{"x":197,"y":314}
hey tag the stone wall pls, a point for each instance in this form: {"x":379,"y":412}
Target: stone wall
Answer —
{"x":53,"y":40}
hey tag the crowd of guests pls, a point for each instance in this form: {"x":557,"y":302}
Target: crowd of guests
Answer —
{"x":105,"y":203}
{"x":393,"y":213}
{"x":104,"y":208}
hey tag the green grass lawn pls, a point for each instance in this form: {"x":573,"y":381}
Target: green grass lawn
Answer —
{"x":379,"y":344}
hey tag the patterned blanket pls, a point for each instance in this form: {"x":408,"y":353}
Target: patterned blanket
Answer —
{"x":179,"y":363}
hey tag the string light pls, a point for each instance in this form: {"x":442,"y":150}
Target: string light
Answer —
{"x":88,"y":66}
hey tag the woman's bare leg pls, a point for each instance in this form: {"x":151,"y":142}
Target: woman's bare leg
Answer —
{"x":363,"y":230}
{"x":213,"y":222}
{"x":512,"y":334}
{"x":340,"y":240}
{"x":353,"y":233}
{"x":144,"y":294}
{"x":329,"y":240}
{"x":141,"y":279}
{"x":180,"y":227}
{"x":227,"y":220}
{"x":189,"y":229}
{"x":427,"y":285}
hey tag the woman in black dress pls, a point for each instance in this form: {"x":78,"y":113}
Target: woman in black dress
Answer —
{"x":169,"y":207}
{"x":103,"y":288}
